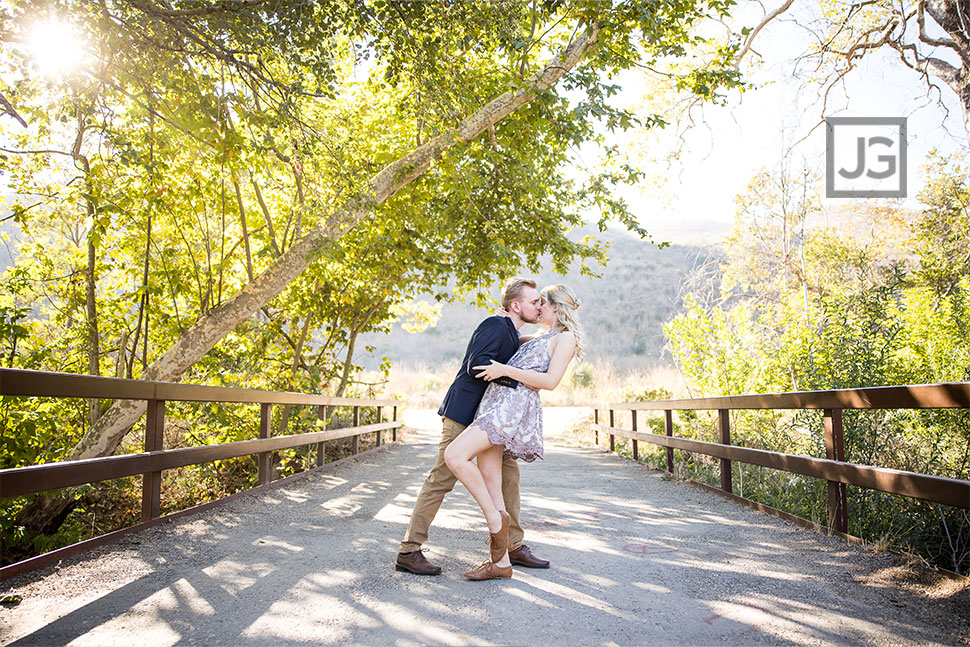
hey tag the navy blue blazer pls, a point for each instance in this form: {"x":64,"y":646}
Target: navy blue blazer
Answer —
{"x":495,"y":338}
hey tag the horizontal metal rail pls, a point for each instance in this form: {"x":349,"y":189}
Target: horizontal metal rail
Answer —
{"x":937,"y":489}
{"x":952,"y":395}
{"x":64,"y":385}
{"x":39,"y":478}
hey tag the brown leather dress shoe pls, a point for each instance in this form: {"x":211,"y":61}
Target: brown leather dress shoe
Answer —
{"x":489,"y":571}
{"x":522,"y":556}
{"x":498,"y":542}
{"x":415,"y":562}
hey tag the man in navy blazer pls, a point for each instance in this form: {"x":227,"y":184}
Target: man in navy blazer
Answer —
{"x":495,"y":338}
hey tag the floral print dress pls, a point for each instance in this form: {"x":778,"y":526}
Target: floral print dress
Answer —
{"x":513,"y":417}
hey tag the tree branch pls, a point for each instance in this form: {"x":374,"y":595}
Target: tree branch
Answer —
{"x":8,"y":109}
{"x":926,"y":38}
{"x":750,"y":39}
{"x":266,"y":215}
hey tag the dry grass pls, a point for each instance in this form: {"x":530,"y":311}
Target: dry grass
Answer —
{"x":424,"y":387}
{"x":943,"y":599}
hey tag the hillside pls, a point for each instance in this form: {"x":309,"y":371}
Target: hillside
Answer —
{"x":623,"y":310}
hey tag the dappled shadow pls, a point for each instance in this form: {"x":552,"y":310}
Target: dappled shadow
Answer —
{"x":636,"y":560}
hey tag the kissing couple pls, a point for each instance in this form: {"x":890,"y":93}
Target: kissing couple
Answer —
{"x":492,"y":412}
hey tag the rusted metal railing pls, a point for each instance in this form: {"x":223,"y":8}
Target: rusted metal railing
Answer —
{"x":150,"y":464}
{"x":833,"y":468}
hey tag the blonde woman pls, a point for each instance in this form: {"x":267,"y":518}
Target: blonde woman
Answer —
{"x":508,"y":423}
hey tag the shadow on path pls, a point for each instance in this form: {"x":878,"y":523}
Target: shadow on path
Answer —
{"x":637,"y":560}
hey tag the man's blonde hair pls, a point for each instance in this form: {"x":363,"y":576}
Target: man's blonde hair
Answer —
{"x":512,"y":290}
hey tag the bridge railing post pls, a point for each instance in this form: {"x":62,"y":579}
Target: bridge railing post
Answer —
{"x":151,"y":483}
{"x":835,"y":450}
{"x":636,"y":455}
{"x":356,"y":423}
{"x":262,"y":458}
{"x":394,"y":431}
{"x":669,"y":430}
{"x":596,"y":432}
{"x":724,"y":431}
{"x":612,"y":437}
{"x":321,"y":446}
{"x":380,"y":419}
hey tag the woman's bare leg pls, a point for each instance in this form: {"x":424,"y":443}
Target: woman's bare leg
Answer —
{"x":490,"y":466}
{"x":458,"y":457}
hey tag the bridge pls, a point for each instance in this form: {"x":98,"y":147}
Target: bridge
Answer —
{"x":638,"y":557}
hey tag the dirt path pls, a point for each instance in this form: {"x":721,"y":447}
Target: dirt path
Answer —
{"x":637,"y":560}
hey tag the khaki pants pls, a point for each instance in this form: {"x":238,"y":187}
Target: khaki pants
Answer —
{"x":441,"y":481}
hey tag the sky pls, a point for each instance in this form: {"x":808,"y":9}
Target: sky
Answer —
{"x":723,"y":152}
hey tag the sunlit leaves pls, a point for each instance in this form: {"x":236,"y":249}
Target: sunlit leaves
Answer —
{"x":942,"y":237}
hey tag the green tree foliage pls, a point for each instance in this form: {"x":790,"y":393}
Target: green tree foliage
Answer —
{"x":943,"y":235}
{"x":192,"y":147}
{"x":881,"y":299}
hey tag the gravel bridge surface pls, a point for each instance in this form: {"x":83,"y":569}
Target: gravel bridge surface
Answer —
{"x":636,"y":560}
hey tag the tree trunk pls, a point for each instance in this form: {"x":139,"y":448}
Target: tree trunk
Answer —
{"x":294,"y":368}
{"x":195,"y":342}
{"x":953,"y":17}
{"x":90,"y":283}
{"x":955,"y":21}
{"x":348,"y":362}
{"x":961,"y":85}
{"x":42,"y":516}
{"x":355,"y":329}
{"x":245,"y":229}
{"x":266,"y":215}
{"x":121,"y":363}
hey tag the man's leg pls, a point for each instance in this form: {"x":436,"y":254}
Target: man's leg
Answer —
{"x":519,"y":553}
{"x":510,"y":492}
{"x":439,"y":483}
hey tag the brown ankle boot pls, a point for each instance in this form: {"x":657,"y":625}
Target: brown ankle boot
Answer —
{"x":498,"y":542}
{"x":489,"y":571}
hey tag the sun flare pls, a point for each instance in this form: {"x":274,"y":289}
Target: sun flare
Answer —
{"x":56,"y":48}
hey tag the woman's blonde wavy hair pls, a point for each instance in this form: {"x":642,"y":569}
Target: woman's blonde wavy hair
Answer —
{"x":566,"y":304}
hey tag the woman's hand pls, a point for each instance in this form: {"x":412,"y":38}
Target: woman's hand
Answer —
{"x":502,"y":312}
{"x":492,"y":371}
